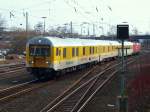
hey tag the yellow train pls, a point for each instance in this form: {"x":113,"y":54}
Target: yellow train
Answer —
{"x":46,"y":56}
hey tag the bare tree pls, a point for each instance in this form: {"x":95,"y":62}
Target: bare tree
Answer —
{"x":135,"y":31}
{"x":62,"y":31}
{"x":39,"y":27}
{"x":2,"y":24}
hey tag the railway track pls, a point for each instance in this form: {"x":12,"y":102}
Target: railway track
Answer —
{"x":77,"y":96}
{"x":86,"y":77}
{"x":11,"y":68}
{"x":21,"y":89}
{"x":15,"y":91}
{"x":7,"y":70}
{"x":11,"y":65}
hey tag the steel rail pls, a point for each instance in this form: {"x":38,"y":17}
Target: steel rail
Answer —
{"x":13,"y":70}
{"x":5,"y":91}
{"x":11,"y":65}
{"x":81,"y":87}
{"x":68,"y":96}
{"x":10,"y":68}
{"x":72,"y":87}
{"x":82,"y":106}
{"x":79,"y":109}
{"x":22,"y":91}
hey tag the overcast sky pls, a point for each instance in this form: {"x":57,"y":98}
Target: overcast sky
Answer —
{"x":108,"y":12}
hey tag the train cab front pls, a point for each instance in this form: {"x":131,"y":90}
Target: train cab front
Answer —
{"x":38,"y":59}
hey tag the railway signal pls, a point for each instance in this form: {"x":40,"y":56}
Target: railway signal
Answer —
{"x":122,"y":34}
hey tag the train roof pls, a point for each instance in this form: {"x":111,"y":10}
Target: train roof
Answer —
{"x":128,"y":43}
{"x":56,"y":41}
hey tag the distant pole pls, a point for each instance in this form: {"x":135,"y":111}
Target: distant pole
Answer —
{"x":71,"y":28}
{"x":102,"y":29}
{"x":123,"y":69}
{"x":102,"y":26}
{"x":93,"y":29}
{"x":44,"y":24}
{"x":26,"y":24}
{"x":81,"y":25}
{"x":81,"y":30}
{"x":88,"y":30}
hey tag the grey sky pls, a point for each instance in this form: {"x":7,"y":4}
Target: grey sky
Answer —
{"x":135,"y":12}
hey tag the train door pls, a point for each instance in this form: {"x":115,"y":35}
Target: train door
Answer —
{"x":59,"y":55}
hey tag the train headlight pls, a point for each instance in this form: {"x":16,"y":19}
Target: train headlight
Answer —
{"x":47,"y":62}
{"x":31,"y":62}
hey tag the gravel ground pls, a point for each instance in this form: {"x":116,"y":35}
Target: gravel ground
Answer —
{"x":101,"y":101}
{"x":9,"y":61}
{"x":139,"y":87}
{"x":38,"y":99}
{"x":106,"y":99}
{"x":15,"y":78}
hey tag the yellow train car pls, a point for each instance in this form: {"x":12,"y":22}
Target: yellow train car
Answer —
{"x":45,"y":56}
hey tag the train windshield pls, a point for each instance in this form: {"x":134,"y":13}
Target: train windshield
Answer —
{"x":39,"y":50}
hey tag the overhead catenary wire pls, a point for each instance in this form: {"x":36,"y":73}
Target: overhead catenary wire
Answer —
{"x":74,"y":4}
{"x":83,"y":9}
{"x":77,"y":8}
{"x":78,"y":11}
{"x":34,"y":6}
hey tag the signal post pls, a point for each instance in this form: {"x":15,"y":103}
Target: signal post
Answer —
{"x":122,"y":34}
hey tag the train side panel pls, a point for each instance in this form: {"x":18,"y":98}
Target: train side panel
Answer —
{"x":69,"y":54}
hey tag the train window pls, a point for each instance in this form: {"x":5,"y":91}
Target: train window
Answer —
{"x":104,"y":49}
{"x":31,"y":50}
{"x":45,"y":52}
{"x":100,"y":50}
{"x":83,"y":51}
{"x":97,"y":51}
{"x":39,"y":50}
{"x":90,"y":50}
{"x":57,"y":51}
{"x":93,"y":50}
{"x":64,"y":52}
{"x":77,"y":51}
{"x":73,"y":52}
